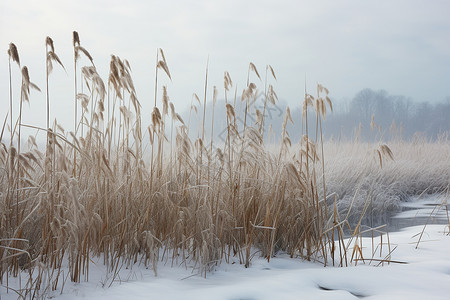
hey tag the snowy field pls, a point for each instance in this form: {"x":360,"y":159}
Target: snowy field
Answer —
{"x":415,"y":273}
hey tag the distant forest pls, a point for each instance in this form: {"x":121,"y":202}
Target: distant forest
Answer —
{"x":393,"y":117}
{"x":370,"y":115}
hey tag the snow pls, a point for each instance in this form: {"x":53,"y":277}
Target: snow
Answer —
{"x":421,"y":273}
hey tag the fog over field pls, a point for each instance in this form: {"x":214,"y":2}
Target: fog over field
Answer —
{"x":368,"y":116}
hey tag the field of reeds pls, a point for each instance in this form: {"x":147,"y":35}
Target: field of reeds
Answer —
{"x":137,"y":190}
{"x":354,"y":173}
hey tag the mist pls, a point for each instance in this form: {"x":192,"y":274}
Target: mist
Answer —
{"x":370,"y":115}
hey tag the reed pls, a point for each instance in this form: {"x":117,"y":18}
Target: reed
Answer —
{"x":13,"y":55}
{"x":193,"y":205}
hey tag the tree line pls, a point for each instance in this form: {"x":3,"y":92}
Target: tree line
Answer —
{"x":371,"y":115}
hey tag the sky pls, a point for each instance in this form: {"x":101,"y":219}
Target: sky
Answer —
{"x":401,"y":46}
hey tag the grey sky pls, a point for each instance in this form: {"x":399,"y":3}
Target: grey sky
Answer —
{"x":401,"y":46}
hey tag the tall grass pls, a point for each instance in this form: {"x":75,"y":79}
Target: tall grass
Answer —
{"x":353,"y":172}
{"x":199,"y":205}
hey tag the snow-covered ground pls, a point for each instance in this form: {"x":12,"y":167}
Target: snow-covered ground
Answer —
{"x":418,"y":273}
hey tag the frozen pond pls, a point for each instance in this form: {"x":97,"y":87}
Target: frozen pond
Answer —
{"x":420,"y":211}
{"x":417,"y":211}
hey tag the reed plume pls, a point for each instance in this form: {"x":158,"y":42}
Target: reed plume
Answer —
{"x":13,"y":54}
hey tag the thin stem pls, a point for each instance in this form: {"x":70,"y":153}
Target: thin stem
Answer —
{"x":10,"y":103}
{"x":153,"y":130}
{"x":18,"y":153}
{"x":212,"y":128}
{"x":48,"y":98}
{"x":76,"y":110}
{"x":75,"y":96}
{"x":203,"y":125}
{"x":156,"y":74}
{"x":204,"y":101}
{"x":20,"y":117}
{"x":261,"y":128}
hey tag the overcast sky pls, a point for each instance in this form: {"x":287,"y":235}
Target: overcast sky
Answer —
{"x":401,"y":46}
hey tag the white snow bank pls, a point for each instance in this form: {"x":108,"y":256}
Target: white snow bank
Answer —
{"x":426,"y":275}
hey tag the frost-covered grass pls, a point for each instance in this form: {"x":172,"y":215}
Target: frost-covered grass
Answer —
{"x":353,"y":172}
